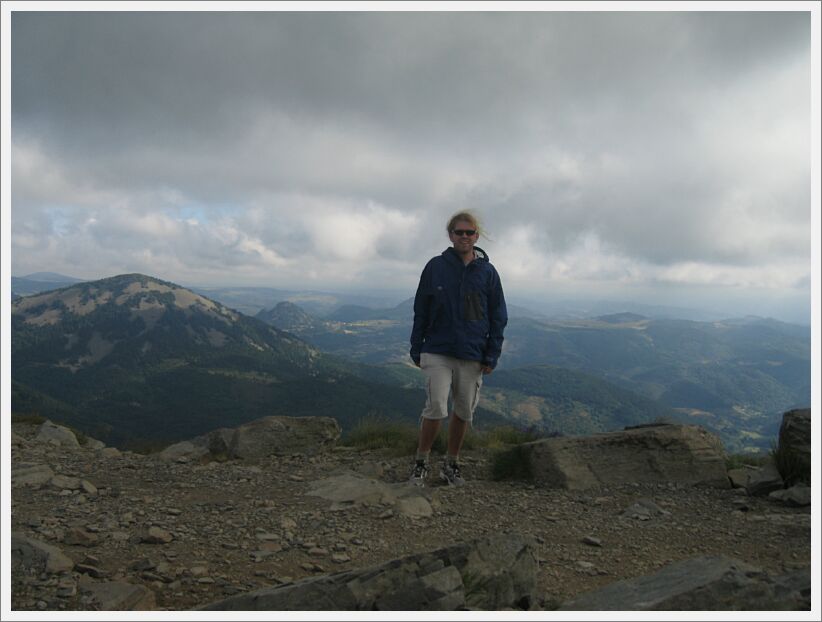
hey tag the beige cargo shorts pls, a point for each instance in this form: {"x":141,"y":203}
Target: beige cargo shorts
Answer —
{"x":446,"y":374}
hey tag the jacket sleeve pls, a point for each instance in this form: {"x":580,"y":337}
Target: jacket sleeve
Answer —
{"x":498,"y":318}
{"x":422,"y":308}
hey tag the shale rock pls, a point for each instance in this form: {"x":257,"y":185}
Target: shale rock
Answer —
{"x":29,"y":554}
{"x":490,"y":573}
{"x":702,"y":583}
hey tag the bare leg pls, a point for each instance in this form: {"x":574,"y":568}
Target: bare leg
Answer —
{"x":428,"y":433}
{"x":456,"y":433}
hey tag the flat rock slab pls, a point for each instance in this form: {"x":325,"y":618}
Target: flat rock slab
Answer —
{"x":492,"y":573}
{"x":30,"y":474}
{"x":685,"y":454}
{"x":346,"y":490}
{"x":701,"y":584}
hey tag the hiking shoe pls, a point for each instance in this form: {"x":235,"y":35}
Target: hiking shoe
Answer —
{"x":419,"y":473}
{"x":450,"y":472}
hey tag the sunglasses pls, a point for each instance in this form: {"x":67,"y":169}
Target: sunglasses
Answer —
{"x":461,"y":232}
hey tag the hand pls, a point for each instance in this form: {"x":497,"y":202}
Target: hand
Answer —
{"x":486,"y":370}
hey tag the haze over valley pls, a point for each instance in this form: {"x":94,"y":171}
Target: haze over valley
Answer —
{"x":136,"y":360}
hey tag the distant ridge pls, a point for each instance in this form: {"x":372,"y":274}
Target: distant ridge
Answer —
{"x":40,"y":282}
{"x":53,"y":277}
{"x":621,"y":318}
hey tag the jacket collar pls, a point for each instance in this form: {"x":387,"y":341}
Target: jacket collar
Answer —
{"x":451,"y":255}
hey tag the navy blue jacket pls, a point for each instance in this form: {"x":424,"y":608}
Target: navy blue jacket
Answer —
{"x":459,"y":309}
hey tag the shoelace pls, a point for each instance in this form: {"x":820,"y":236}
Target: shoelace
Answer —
{"x":419,"y":469}
{"x":455,"y":469}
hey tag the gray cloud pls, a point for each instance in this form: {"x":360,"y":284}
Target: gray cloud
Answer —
{"x":329,"y":148}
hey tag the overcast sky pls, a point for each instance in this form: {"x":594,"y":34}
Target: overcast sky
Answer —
{"x":658,"y":156}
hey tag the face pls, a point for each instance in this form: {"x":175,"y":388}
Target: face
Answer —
{"x":463,"y":243}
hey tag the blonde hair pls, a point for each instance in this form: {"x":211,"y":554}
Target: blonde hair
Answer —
{"x":467,"y":217}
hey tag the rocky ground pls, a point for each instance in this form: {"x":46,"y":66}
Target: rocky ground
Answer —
{"x":194,"y":533}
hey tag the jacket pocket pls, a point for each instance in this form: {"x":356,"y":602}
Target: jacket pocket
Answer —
{"x":473,"y":307}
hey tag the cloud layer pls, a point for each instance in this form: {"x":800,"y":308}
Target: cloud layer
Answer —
{"x":329,"y":149}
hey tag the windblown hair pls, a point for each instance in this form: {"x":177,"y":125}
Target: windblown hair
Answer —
{"x":467,"y":217}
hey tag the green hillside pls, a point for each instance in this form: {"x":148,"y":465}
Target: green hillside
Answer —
{"x":132,"y":358}
{"x":560,"y":400}
{"x":735,"y":376}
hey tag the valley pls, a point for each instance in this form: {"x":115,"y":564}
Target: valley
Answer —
{"x":136,"y":360}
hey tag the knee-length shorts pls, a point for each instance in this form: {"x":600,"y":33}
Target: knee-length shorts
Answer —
{"x":446,"y":374}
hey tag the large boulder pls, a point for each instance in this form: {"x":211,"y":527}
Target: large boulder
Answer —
{"x":60,"y":435}
{"x":490,"y":573}
{"x":184,"y":451}
{"x":702,"y":584}
{"x":213,"y":445}
{"x":685,"y":454}
{"x":795,"y":439}
{"x":280,"y":436}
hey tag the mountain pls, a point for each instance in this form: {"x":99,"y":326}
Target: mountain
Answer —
{"x":289,"y":317}
{"x":133,"y":357}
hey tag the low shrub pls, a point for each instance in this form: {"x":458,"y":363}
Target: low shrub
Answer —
{"x":512,"y":463}
{"x":738,"y":461}
{"x":398,"y":437}
{"x":401,"y":438}
{"x":33,"y":418}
